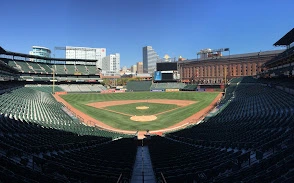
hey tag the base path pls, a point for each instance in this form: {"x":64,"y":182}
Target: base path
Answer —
{"x":181,"y":103}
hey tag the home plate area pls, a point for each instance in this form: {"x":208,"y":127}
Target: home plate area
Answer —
{"x":143,"y":118}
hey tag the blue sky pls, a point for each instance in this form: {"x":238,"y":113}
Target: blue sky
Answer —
{"x":173,"y":27}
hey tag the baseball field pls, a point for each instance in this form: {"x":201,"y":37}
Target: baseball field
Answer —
{"x":140,"y":110}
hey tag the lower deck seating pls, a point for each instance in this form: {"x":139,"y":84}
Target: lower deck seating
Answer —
{"x":258,"y":120}
{"x":191,"y":87}
{"x":6,"y":86}
{"x":31,"y":153}
{"x":82,"y":87}
{"x":27,"y":104}
{"x":250,"y":140}
{"x":45,"y":88}
{"x":179,"y":162}
{"x":186,"y":162}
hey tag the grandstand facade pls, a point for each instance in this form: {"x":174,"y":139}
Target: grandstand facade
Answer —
{"x":217,"y":70}
{"x":65,"y":70}
{"x":283,"y":64}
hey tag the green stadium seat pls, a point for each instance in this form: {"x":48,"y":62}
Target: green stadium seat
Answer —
{"x":139,"y":85}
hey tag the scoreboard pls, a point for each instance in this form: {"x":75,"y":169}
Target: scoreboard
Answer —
{"x":167,"y":66}
{"x":166,"y":72}
{"x":167,"y":76}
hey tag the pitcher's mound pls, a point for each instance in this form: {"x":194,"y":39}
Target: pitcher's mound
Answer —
{"x":142,"y":107}
{"x":143,"y":118}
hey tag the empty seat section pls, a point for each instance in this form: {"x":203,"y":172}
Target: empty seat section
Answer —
{"x":36,"y":67}
{"x":92,"y":69}
{"x":82,"y":69}
{"x":24,"y":66}
{"x":139,"y":85}
{"x":28,"y":104}
{"x":46,"y":68}
{"x":71,"y":69}
{"x":257,"y":120}
{"x":164,"y":86}
{"x":59,"y":69}
{"x":31,"y":153}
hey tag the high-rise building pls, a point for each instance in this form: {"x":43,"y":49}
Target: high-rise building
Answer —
{"x":111,"y":62}
{"x":139,"y":67}
{"x":86,"y":53}
{"x":150,"y":58}
{"x":40,"y":51}
{"x":134,"y":68}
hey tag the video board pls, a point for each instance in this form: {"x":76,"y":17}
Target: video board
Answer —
{"x":167,"y":66}
{"x":157,"y":76}
{"x":165,"y":76}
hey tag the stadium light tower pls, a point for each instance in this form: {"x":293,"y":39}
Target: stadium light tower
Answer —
{"x":53,"y":81}
{"x":53,"y":77}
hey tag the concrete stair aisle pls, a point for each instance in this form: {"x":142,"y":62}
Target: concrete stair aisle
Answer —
{"x":143,"y":171}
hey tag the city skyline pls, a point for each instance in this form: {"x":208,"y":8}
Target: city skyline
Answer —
{"x":174,"y":27}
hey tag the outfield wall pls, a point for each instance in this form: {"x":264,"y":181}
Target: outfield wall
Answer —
{"x":172,"y":90}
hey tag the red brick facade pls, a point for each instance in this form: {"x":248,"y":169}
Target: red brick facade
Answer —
{"x":215,"y":70}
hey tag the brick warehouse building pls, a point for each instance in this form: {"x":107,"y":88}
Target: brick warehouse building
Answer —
{"x":216,"y":70}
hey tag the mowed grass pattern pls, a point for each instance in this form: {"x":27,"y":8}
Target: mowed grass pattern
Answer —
{"x":120,"y":121}
{"x":154,"y":108}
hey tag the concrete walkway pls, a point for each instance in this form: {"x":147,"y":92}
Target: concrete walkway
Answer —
{"x":143,"y":171}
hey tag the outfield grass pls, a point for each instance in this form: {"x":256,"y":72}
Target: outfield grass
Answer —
{"x":120,"y":121}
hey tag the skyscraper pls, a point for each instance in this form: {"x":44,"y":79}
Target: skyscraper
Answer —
{"x":150,"y":58}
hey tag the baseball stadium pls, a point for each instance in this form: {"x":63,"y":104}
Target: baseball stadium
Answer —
{"x":213,"y":119}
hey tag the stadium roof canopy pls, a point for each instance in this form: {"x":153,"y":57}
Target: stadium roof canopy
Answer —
{"x":2,"y":50}
{"x":286,"y":40}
